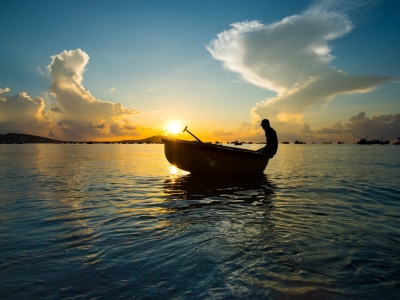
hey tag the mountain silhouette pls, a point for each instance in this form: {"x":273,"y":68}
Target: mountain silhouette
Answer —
{"x":20,"y":138}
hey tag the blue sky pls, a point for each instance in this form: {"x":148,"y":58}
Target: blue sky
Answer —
{"x":319,"y":70}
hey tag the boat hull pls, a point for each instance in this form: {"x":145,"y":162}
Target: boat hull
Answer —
{"x":207,"y":158}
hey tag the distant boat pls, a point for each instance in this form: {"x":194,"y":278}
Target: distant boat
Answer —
{"x":339,"y":142}
{"x":297,"y":142}
{"x":373,"y":142}
{"x":210,"y":159}
{"x":363,"y":142}
{"x":381,"y":142}
{"x":285,"y":143}
{"x":398,"y":141}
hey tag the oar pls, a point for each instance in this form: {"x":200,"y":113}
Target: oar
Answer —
{"x":192,"y":134}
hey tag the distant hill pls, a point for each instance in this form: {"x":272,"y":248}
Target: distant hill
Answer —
{"x":20,"y":138}
{"x":153,"y":139}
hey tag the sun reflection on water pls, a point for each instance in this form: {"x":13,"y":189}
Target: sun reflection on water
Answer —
{"x":173,"y":170}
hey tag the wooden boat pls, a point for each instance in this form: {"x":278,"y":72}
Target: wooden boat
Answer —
{"x":207,"y":158}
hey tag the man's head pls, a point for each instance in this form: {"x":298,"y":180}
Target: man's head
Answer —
{"x":264,"y":123}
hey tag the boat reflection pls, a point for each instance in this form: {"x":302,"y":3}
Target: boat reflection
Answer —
{"x":189,"y":191}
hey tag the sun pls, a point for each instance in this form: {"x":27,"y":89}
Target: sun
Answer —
{"x":174,"y":127}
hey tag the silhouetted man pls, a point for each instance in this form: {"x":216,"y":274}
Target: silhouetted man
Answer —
{"x":272,"y":140}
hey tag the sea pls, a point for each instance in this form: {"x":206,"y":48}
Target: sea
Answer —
{"x":117,"y":221}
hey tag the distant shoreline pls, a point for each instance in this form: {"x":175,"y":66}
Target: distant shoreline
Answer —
{"x":20,"y":138}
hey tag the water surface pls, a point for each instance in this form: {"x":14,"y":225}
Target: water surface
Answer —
{"x":117,"y":221}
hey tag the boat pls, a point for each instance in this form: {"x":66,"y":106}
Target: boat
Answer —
{"x":197,"y":157}
{"x":237,"y":143}
{"x":365,"y":141}
{"x":207,"y":158}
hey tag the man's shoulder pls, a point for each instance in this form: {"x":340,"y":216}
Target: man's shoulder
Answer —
{"x":271,"y":129}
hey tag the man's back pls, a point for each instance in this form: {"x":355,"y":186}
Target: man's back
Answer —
{"x":272,"y":140}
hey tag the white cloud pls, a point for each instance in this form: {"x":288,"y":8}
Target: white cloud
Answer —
{"x":40,"y":71}
{"x":6,"y":90}
{"x":291,"y":57}
{"x":83,"y":115}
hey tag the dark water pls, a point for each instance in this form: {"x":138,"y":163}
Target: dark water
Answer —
{"x":118,"y":222}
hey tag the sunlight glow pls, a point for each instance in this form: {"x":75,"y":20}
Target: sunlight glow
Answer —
{"x":174,"y":127}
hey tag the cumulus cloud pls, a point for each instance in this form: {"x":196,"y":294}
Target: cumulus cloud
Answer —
{"x":22,"y":114}
{"x":6,"y":90}
{"x":83,"y":115}
{"x":375,"y":126}
{"x":292,"y":58}
{"x":358,"y":126}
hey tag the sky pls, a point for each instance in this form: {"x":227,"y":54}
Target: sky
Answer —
{"x":320,"y":71}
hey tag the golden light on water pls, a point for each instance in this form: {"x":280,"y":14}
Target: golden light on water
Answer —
{"x":175,"y":173}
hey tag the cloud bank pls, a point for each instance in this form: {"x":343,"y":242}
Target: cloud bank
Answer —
{"x":360,"y":126}
{"x":291,"y":57}
{"x":75,"y":113}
